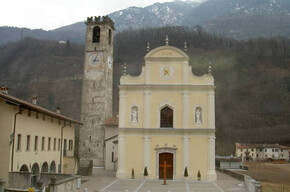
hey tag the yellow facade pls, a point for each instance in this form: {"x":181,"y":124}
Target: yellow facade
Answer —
{"x":39,"y":136}
{"x":166,"y":86}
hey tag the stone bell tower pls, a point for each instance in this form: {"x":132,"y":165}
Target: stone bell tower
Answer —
{"x":97,"y":88}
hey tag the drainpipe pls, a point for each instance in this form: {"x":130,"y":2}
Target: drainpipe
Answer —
{"x":13,"y":136}
{"x":61,"y":149}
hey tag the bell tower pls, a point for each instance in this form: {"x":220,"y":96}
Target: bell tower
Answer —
{"x":96,"y":103}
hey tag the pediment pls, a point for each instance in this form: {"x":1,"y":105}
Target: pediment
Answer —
{"x":166,"y":52}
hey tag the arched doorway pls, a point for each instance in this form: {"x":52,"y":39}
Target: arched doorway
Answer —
{"x":24,"y":168}
{"x":52,"y":167}
{"x":168,"y":158}
{"x":44,"y":168}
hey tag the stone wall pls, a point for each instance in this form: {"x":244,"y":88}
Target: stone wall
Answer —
{"x":24,"y":180}
{"x":71,"y":184}
{"x":20,"y":180}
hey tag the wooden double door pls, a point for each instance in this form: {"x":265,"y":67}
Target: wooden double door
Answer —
{"x":168,"y":157}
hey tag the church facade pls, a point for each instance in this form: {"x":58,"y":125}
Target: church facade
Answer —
{"x":166,"y":116}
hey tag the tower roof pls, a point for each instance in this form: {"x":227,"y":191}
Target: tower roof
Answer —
{"x":100,"y":21}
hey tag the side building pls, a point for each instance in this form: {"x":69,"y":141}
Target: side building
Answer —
{"x":34,"y":139}
{"x":262,"y":151}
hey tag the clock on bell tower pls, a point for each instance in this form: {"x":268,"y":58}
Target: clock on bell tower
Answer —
{"x":96,"y":103}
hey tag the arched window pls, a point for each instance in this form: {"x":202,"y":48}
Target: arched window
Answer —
{"x":24,"y":168}
{"x":35,"y":168}
{"x":44,"y":168}
{"x":96,"y":34}
{"x":110,"y":37}
{"x":52,"y":167}
{"x":166,"y":117}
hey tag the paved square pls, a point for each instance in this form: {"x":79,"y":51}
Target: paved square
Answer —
{"x":157,"y":186}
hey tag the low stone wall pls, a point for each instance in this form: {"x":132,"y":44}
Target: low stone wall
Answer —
{"x":19,"y":180}
{"x":24,"y":180}
{"x":46,"y":177}
{"x":72,"y":184}
{"x":251,"y":184}
{"x":238,"y":176}
{"x":51,"y":181}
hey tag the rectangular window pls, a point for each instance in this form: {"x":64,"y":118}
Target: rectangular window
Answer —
{"x":265,"y":150}
{"x":48,"y":147}
{"x":43,"y":144}
{"x":257,"y":155}
{"x":58,"y":147}
{"x":64,"y":147}
{"x":19,"y":142}
{"x":70,"y":147}
{"x":261,"y":150}
{"x":112,"y":156}
{"x":252,"y":150}
{"x":36,"y":143}
{"x":28,"y":143}
{"x":54,"y":144}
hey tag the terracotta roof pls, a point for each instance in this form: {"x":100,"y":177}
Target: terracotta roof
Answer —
{"x":27,"y":105}
{"x":253,"y":145}
{"x":284,"y":147}
{"x":112,"y":121}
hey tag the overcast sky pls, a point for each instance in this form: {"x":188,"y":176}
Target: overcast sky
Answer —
{"x":51,"y":14}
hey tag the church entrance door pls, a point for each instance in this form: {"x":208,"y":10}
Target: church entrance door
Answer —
{"x":168,"y":157}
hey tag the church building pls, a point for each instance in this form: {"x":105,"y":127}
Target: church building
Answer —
{"x":166,"y":116}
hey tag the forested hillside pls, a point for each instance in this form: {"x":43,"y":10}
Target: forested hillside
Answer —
{"x":51,"y":70}
{"x":252,"y":77}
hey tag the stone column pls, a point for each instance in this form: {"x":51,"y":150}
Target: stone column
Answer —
{"x":186,"y":152}
{"x":121,"y":173}
{"x":211,"y":174}
{"x":147,"y":109}
{"x":146,"y":152}
{"x":185,"y":96}
{"x":122,"y":109}
{"x":211,"y":110}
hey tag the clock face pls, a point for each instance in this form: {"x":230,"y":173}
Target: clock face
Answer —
{"x":166,"y":71}
{"x":95,"y":59}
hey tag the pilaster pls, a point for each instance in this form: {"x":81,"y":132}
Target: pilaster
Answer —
{"x":186,"y":152}
{"x":185,"y":96}
{"x":146,"y":152}
{"x":121,"y":173}
{"x":147,"y":107}
{"x":211,"y":174}
{"x":211,"y":110}
{"x":122,"y":109}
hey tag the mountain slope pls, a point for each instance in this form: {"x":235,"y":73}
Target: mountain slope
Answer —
{"x":239,"y":19}
{"x":242,"y":19}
